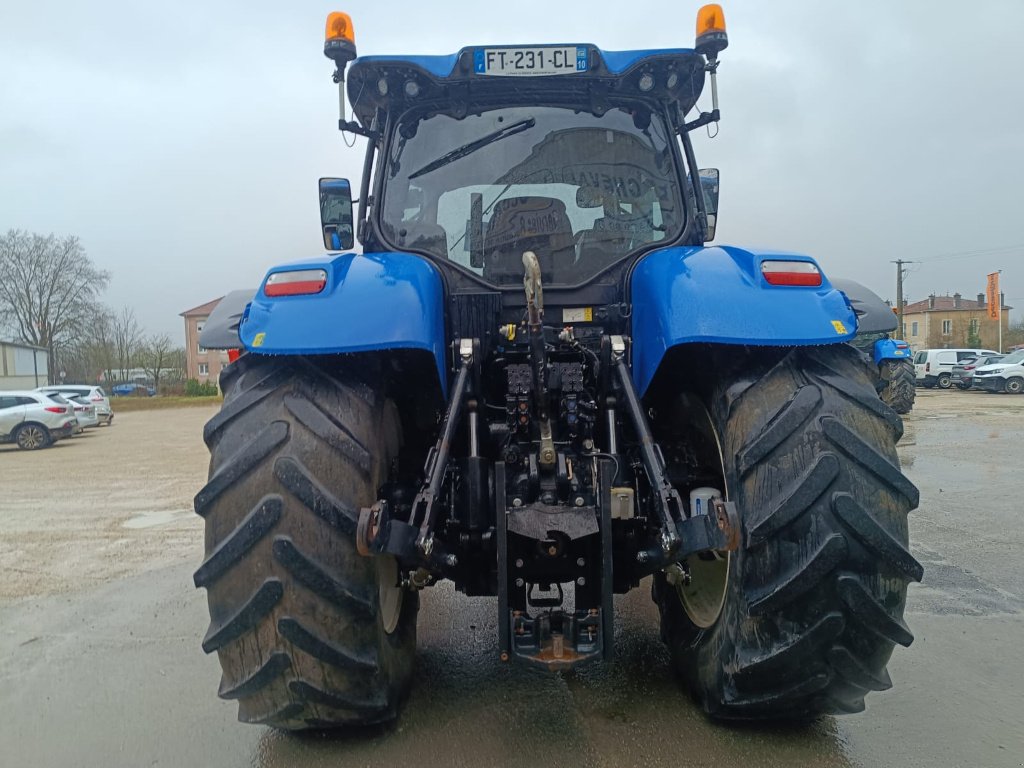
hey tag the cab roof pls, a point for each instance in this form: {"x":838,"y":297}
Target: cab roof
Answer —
{"x":396,"y":83}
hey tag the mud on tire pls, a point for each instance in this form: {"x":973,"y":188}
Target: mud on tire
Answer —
{"x":815,"y":595}
{"x":296,"y":620}
{"x":900,"y":384}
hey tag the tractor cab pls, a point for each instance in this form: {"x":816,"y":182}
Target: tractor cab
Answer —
{"x":569,"y":151}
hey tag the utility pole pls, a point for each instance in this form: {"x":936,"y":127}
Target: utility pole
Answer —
{"x":900,"y":273}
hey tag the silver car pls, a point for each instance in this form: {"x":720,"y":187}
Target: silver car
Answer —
{"x":85,"y":411}
{"x":94,"y":394}
{"x":35,"y":420}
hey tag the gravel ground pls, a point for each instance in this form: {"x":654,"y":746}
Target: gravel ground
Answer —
{"x":100,"y":627}
{"x":106,"y":504}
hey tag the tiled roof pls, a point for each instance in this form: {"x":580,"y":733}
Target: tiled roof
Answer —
{"x":202,"y":309}
{"x":942,"y":304}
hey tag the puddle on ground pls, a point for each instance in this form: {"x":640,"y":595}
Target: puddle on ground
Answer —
{"x":152,"y":519}
{"x":949,"y":588}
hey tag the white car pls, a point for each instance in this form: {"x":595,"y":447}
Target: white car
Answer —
{"x":35,"y":420}
{"x":93,"y":394}
{"x":85,"y":411}
{"x":1005,"y":376}
{"x":934,"y":367}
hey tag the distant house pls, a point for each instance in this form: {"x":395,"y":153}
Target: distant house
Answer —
{"x":200,"y":363}
{"x":952,"y":321}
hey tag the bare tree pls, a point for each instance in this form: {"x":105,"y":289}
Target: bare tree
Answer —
{"x":156,"y":357}
{"x":90,"y":356}
{"x":175,"y":371}
{"x":48,"y":291}
{"x":127,"y":338}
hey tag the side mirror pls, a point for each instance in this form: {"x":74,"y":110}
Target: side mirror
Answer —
{"x":336,"y":214}
{"x":709,"y":185}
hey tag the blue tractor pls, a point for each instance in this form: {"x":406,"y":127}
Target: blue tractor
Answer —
{"x":891,"y":360}
{"x":539,"y":381}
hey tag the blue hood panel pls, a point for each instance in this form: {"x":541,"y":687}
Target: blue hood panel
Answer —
{"x":891,"y":349}
{"x":372,"y":301}
{"x":717,"y":295}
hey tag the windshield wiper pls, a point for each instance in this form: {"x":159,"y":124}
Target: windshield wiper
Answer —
{"x":473,"y":146}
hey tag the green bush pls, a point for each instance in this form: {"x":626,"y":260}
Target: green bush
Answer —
{"x":195,"y":388}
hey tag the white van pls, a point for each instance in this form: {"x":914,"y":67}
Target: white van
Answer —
{"x":935,"y":366}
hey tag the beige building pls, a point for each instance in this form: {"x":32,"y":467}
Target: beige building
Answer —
{"x":22,"y":366}
{"x":200,"y":363}
{"x":952,"y":321}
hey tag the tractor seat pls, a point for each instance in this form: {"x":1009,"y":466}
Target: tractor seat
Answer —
{"x":612,"y":237}
{"x":537,"y":224}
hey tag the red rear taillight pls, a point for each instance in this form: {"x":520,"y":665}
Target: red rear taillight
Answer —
{"x":300,"y":282}
{"x":233,"y":354}
{"x":802,"y":273}
{"x":969,"y":367}
{"x":927,"y":367}
{"x":96,"y":399}
{"x":56,"y":409}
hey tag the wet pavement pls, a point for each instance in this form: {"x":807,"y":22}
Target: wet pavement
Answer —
{"x":112,"y":675}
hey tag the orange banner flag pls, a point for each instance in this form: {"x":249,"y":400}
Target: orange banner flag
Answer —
{"x":992,"y":296}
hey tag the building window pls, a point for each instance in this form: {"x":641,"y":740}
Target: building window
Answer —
{"x":974,"y":326}
{"x":204,"y":369}
{"x":947,"y":327}
{"x":913,"y":328}
{"x":199,"y":330}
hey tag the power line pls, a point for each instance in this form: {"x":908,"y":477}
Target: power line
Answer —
{"x":994,"y":251}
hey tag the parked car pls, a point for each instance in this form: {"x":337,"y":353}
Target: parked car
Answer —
{"x":963,"y":372}
{"x":85,"y":411}
{"x":1005,"y":376}
{"x":131,"y":388}
{"x":934,"y":367}
{"x":94,"y":394}
{"x":35,"y":420}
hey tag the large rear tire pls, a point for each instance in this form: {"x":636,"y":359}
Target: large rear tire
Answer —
{"x":309,"y":633}
{"x":813,"y":598}
{"x":899,"y":391}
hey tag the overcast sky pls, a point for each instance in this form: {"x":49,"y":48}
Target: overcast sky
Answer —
{"x":182,"y":142}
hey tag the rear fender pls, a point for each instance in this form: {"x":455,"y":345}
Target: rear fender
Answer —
{"x":718,"y":295}
{"x":890,"y":349}
{"x":371,"y":302}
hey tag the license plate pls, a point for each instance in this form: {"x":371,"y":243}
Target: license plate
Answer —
{"x":529,"y":62}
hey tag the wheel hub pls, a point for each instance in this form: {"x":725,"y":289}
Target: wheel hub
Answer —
{"x":702,"y":592}
{"x":390,"y":592}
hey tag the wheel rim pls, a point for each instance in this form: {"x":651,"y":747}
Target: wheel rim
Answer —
{"x":31,"y":438}
{"x":390,"y":592}
{"x":702,"y":594}
{"x":945,"y":381}
{"x":1014,"y":386}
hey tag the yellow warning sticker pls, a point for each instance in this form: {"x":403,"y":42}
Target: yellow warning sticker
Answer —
{"x":257,"y":340}
{"x":840,"y":328}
